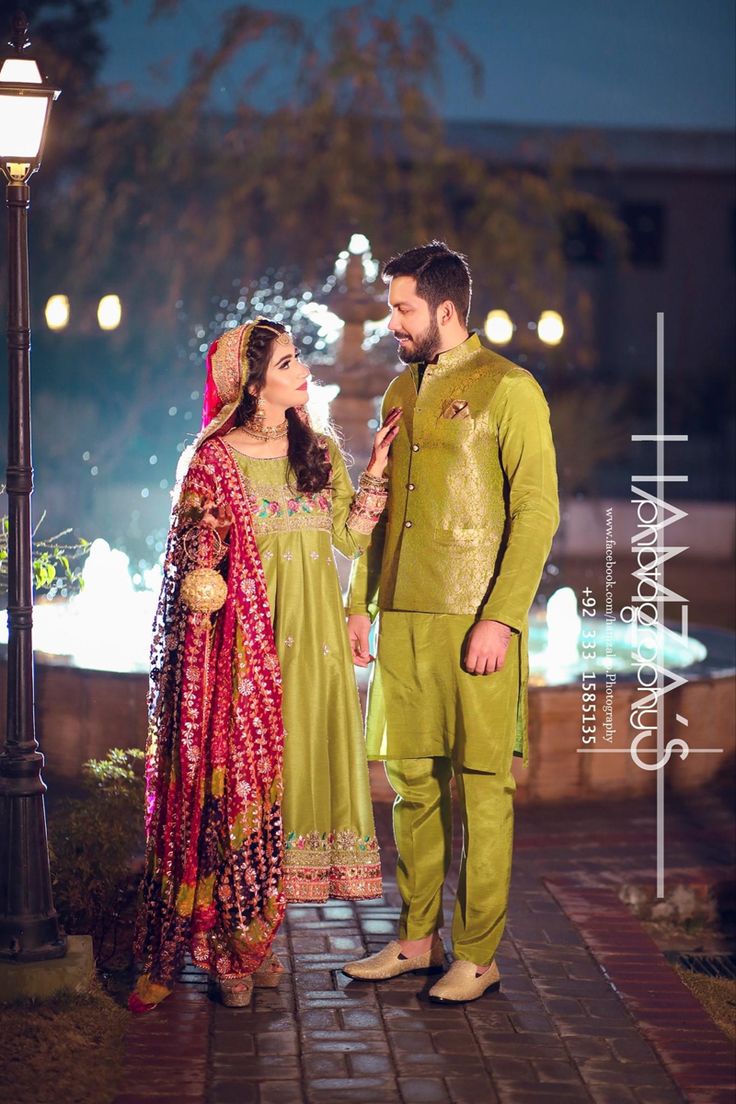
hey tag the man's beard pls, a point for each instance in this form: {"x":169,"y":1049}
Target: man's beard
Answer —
{"x":424,"y":348}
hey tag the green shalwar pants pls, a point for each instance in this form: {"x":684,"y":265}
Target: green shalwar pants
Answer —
{"x":430,"y":720}
{"x":423,"y":831}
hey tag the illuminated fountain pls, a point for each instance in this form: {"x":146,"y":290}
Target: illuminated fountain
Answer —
{"x":106,"y":627}
{"x":358,"y":368}
{"x":557,"y":654}
{"x":92,"y":658}
{"x":91,"y":663}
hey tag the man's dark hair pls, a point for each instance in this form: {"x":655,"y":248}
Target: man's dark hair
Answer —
{"x":440,"y":274}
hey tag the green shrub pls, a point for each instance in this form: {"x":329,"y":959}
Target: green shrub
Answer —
{"x":93,"y":841}
{"x":54,"y":572}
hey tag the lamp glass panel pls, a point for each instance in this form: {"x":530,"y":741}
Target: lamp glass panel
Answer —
{"x":22,"y":120}
{"x":20,"y":71}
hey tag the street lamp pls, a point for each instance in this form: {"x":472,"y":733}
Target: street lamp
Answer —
{"x":29,"y":927}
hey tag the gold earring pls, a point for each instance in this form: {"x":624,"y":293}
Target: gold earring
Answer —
{"x":258,"y":418}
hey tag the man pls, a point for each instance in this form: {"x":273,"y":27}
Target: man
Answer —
{"x":453,"y":569}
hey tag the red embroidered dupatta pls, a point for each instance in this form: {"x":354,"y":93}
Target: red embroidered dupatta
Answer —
{"x":212,"y":884}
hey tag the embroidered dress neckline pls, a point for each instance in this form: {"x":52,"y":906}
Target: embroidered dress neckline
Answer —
{"x":284,"y":456}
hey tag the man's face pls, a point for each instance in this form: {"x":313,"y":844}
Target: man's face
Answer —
{"x":412,"y":322}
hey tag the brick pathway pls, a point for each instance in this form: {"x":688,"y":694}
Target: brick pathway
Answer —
{"x":588,"y":1011}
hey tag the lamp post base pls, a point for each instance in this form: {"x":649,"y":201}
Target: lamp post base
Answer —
{"x":45,"y":940}
{"x":29,"y":925}
{"x":75,"y":973}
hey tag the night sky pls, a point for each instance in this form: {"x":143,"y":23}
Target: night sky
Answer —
{"x":636,"y":63}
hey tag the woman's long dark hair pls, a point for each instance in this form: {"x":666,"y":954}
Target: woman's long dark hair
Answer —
{"x":308,"y":460}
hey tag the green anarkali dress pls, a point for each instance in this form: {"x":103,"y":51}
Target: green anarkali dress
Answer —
{"x":330,"y":841}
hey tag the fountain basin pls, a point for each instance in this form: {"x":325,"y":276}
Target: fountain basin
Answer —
{"x":559,"y":771}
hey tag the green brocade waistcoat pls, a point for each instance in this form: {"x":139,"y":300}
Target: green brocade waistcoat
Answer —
{"x":472,"y":504}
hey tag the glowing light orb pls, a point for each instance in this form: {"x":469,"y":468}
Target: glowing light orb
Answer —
{"x":57,"y":312}
{"x":109,"y":312}
{"x":359,"y":244}
{"x":550,"y":327}
{"x":499,"y":327}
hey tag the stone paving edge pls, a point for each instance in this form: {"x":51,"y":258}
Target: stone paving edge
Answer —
{"x":697,"y":1055}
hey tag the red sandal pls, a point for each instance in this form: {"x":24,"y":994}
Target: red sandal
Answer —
{"x":147,"y":995}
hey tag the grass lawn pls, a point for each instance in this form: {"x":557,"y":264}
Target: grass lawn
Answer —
{"x":69,"y":1048}
{"x":717,"y":996}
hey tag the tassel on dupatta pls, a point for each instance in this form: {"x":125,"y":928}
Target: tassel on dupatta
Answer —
{"x":212,"y":885}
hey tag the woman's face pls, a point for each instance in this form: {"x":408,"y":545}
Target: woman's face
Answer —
{"x":285,"y":383}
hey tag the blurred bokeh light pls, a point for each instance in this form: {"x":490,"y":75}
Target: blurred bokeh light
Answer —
{"x":499,"y":327}
{"x":57,"y":312}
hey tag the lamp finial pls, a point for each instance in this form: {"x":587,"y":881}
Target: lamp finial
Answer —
{"x":20,"y":39}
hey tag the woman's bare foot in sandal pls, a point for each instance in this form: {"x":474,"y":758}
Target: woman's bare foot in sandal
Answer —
{"x":236,"y":992}
{"x":269,"y":973}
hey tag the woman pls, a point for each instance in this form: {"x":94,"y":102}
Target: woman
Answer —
{"x":257,"y":785}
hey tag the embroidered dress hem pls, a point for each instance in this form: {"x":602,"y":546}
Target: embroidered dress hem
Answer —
{"x":343,"y":865}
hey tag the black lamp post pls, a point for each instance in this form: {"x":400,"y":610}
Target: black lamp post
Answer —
{"x":29,"y":927}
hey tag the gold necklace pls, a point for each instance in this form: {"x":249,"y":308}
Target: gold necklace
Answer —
{"x":268,"y":433}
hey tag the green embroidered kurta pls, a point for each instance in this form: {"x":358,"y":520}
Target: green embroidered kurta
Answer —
{"x":471,"y":513}
{"x":331,"y":848}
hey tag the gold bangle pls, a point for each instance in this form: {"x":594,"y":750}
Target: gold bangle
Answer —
{"x":373,"y":482}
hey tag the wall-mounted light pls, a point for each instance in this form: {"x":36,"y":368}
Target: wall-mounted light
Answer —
{"x":550,"y":327}
{"x":499,"y":327}
{"x":109,"y":312}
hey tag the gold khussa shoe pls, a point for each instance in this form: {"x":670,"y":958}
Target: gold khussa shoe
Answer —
{"x":269,"y":973}
{"x":389,"y":962}
{"x":461,"y":983}
{"x":236,"y":992}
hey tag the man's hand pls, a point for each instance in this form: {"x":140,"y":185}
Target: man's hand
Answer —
{"x":485,"y":650}
{"x":358,"y":628}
